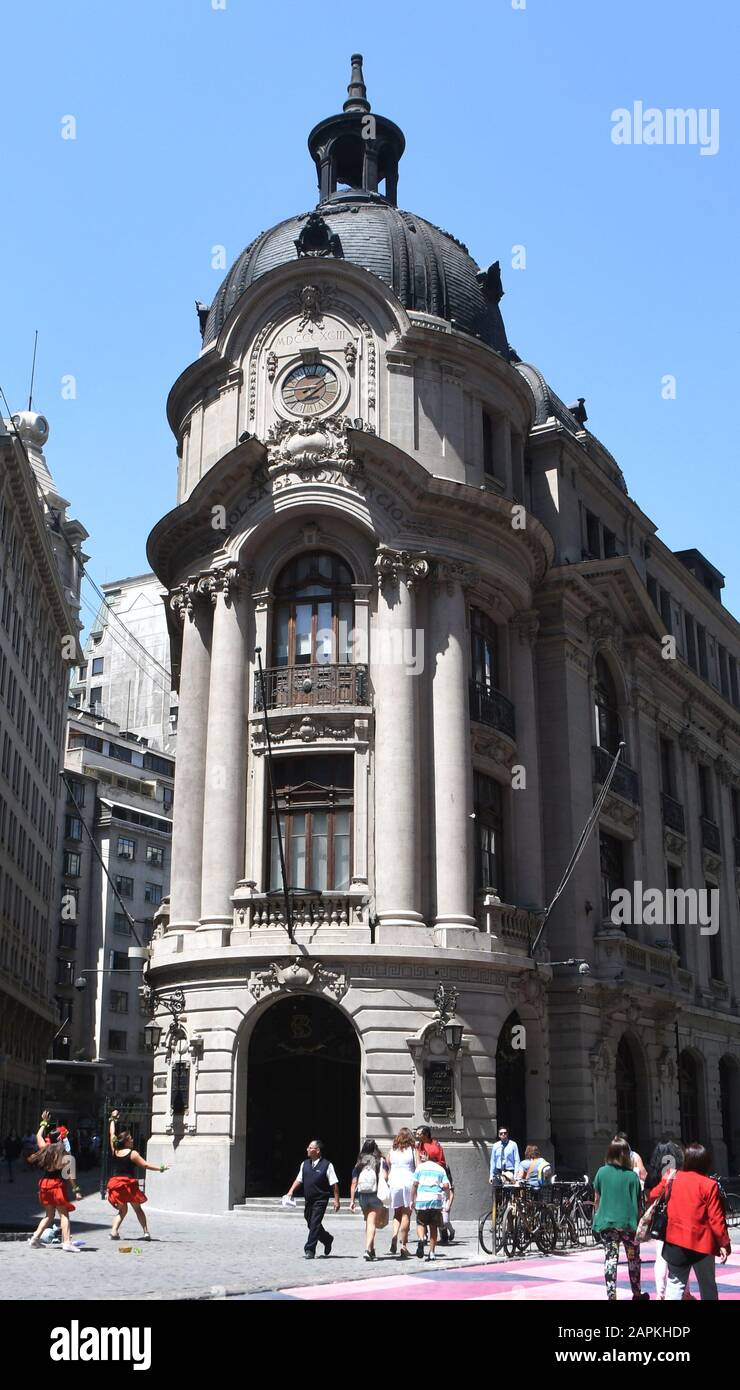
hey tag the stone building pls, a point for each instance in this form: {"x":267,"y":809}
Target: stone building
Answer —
{"x":40,"y":571}
{"x":117,"y":793}
{"x":461,"y":613}
{"x":125,"y":673}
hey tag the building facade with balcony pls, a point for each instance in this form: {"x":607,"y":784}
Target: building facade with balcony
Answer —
{"x":40,"y":569}
{"x":402,"y":673}
{"x":115,"y":812}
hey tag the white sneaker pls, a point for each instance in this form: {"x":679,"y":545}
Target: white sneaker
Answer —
{"x":35,"y":1241}
{"x":68,"y":1245}
{"x":431,"y":1256}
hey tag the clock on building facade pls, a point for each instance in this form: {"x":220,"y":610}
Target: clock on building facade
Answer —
{"x":309,"y":389}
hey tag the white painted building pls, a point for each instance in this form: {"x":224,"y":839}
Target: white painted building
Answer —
{"x":460,"y":613}
{"x":125,"y":673}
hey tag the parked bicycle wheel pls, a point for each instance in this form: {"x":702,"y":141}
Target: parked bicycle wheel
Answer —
{"x":512,"y":1234}
{"x":486,"y":1235}
{"x":546,"y":1233}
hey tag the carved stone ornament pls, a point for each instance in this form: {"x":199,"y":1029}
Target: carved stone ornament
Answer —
{"x":226,"y":581}
{"x":711,"y":862}
{"x":451,"y":572}
{"x":397,"y":565}
{"x":602,"y":626}
{"x":299,"y":974}
{"x":621,"y":812}
{"x":316,"y":238}
{"x":307,"y":730}
{"x":306,"y":443}
{"x":689,"y":743}
{"x":350,"y":356}
{"x":310,"y":300}
{"x":527,"y":991}
{"x":271,"y":363}
{"x":674,"y":843}
{"x":497,"y":747}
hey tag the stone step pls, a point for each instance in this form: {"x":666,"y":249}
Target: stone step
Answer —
{"x":271,"y":1206}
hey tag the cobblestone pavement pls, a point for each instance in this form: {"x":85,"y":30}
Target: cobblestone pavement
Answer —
{"x":188,"y":1256}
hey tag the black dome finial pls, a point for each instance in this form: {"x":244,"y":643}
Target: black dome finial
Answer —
{"x":357,"y":99}
{"x":357,"y":150}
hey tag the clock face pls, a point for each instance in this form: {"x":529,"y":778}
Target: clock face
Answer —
{"x":309,"y":389}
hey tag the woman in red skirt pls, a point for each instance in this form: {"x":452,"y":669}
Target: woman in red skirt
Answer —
{"x":123,"y":1187}
{"x":51,"y":1158}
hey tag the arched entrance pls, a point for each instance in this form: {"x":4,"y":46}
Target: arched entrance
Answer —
{"x":511,"y":1081}
{"x":729,"y":1091}
{"x":689,"y":1098}
{"x":628,"y":1118}
{"x":303,"y":1082}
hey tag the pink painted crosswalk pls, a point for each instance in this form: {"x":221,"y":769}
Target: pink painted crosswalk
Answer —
{"x":573,"y":1278}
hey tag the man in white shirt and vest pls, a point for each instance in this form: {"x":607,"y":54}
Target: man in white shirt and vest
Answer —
{"x":318,"y":1179}
{"x":505,"y":1160}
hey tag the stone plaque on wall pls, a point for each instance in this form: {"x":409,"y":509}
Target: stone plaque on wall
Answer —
{"x":439,"y":1089}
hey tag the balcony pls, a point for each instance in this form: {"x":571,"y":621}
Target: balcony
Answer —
{"x":673,"y":816}
{"x":489,"y":706}
{"x":513,"y":927}
{"x":331,"y":913}
{"x":625,"y":781}
{"x":710,"y":835}
{"x":288,"y":687}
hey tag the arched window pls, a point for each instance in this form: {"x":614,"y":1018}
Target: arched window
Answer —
{"x":314,"y":612}
{"x":606,"y":709}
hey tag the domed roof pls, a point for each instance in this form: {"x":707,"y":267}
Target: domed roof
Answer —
{"x":428,"y":270}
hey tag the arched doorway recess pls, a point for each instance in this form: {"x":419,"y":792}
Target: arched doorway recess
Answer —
{"x":303,"y":1082}
{"x":511,"y":1080}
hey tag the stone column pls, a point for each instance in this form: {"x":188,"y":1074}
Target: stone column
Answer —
{"x":226,"y":771}
{"x":194,"y":611}
{"x":525,"y":794}
{"x":453,"y":776}
{"x":396,"y":742}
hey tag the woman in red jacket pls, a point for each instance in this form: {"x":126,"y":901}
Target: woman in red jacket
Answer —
{"x":697,"y":1230}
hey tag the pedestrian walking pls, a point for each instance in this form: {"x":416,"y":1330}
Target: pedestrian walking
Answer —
{"x":617,"y":1200}
{"x":505,"y":1160}
{"x":318,"y":1179}
{"x":426,"y":1147}
{"x":697,"y":1229}
{"x":635,"y":1158}
{"x":427,"y":1195}
{"x":401,"y":1167}
{"x":666,"y":1159}
{"x":51,"y":1158}
{"x":367,"y":1173}
{"x":123,"y":1189}
{"x":447,"y":1230}
{"x":12,"y":1146}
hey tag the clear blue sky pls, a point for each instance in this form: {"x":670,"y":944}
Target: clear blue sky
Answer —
{"x":191,"y":131}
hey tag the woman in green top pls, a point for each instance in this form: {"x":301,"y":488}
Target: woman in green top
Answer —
{"x":617,"y":1189}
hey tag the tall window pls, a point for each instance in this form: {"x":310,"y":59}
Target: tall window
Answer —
{"x":488,"y":835}
{"x":315,"y":801}
{"x":484,"y":649}
{"x":606,"y":708}
{"x":611,"y":853}
{"x":667,"y":779}
{"x":314,"y":612}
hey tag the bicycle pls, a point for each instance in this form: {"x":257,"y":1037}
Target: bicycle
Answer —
{"x":528,"y":1220}
{"x":574,"y":1217}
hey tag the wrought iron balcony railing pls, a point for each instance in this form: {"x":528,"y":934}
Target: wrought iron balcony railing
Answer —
{"x":288,"y":686}
{"x":710,"y":835}
{"x":673,"y":815}
{"x":489,"y":706}
{"x":625,"y":781}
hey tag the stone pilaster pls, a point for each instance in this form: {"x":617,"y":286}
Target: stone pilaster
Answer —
{"x":396,"y":742}
{"x":192,"y":607}
{"x":453,"y":777}
{"x":225,"y":779}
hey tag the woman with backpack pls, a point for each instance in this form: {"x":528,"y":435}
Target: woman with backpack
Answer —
{"x":534,"y":1170}
{"x":367,"y":1174}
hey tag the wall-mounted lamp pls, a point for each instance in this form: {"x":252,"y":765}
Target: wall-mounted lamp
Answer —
{"x":446,"y":1002}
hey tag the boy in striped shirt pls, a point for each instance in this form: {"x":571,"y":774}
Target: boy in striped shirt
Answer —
{"x":430,"y":1188}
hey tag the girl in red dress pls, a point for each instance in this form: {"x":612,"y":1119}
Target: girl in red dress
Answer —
{"x":51,"y":1158}
{"x":123,"y":1187}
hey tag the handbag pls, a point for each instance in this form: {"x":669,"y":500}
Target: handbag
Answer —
{"x":384,"y":1191}
{"x":653,"y":1223}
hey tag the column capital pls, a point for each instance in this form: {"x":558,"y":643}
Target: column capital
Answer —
{"x":527,"y":624}
{"x":452,"y":572}
{"x":398,"y":565}
{"x":228,"y":580}
{"x":184,"y":597}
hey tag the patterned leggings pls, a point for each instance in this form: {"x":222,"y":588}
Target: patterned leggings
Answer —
{"x":611,"y":1240}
